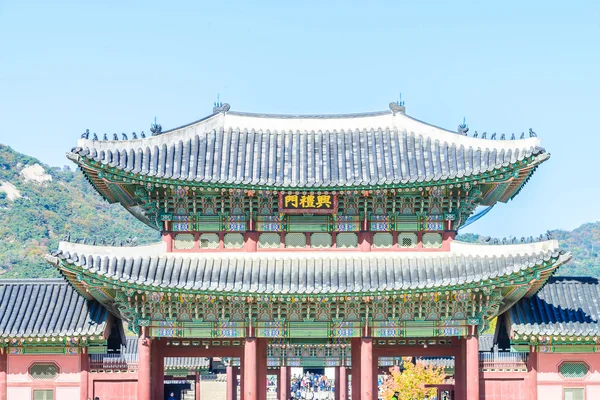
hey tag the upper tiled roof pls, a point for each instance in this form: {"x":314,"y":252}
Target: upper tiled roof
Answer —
{"x":308,"y":151}
{"x":311,"y":273}
{"x":564,"y":306}
{"x":47,"y":307}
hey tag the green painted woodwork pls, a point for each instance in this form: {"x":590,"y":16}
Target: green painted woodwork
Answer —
{"x":159,"y":196}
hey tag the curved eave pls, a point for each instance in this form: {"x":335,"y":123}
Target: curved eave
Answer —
{"x":513,"y":175}
{"x":524,"y":277}
{"x":538,"y":280}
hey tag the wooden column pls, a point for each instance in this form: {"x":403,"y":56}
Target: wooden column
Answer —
{"x":241,"y":378}
{"x":144,"y":391}
{"x":283,"y":383}
{"x":336,"y":393}
{"x":84,"y":375}
{"x":250,"y":370}
{"x":198,"y":387}
{"x":375,"y":369}
{"x":3,"y":373}
{"x":230,"y":382}
{"x":356,"y":365}
{"x":459,"y":371}
{"x":158,"y":370}
{"x":472,"y":367}
{"x":341,"y":383}
{"x":261,"y":359}
{"x":532,"y":368}
{"x":366,"y":369}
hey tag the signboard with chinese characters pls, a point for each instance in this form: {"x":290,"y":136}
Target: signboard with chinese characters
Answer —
{"x":310,"y":203}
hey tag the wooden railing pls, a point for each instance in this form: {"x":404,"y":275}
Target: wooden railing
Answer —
{"x":112,"y":362}
{"x":503,"y":361}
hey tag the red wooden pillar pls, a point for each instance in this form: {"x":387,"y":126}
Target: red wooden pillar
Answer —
{"x":3,"y":372}
{"x":336,"y":393}
{"x":375,"y":369}
{"x":341,"y":383}
{"x":283,"y":383}
{"x":84,"y":375}
{"x":532,"y":368}
{"x":158,"y":370}
{"x":144,"y":362}
{"x":459,"y":371}
{"x":366,"y":369}
{"x":241,"y":378}
{"x":230,"y":388}
{"x":197,"y":388}
{"x":472,"y":367}
{"x":250,"y":383}
{"x":261,"y":359}
{"x":356,"y":366}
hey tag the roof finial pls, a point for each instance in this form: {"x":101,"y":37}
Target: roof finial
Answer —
{"x":463,"y":128}
{"x":398,"y":106}
{"x":155,"y":128}
{"x":218,"y":106}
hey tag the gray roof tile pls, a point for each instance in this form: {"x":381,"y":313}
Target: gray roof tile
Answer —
{"x":305,"y":159}
{"x":307,"y":273}
{"x":564,"y":306}
{"x":47,"y":307}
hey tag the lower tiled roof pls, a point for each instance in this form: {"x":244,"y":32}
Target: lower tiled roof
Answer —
{"x":568,"y":306}
{"x":47,"y":307}
{"x":310,"y":273}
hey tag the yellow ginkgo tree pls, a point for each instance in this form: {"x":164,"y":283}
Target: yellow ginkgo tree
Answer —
{"x":410,"y":382}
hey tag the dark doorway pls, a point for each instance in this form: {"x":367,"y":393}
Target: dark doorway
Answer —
{"x":177,"y":389}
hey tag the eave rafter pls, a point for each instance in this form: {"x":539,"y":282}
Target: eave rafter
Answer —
{"x":520,"y":170}
{"x":118,"y":185}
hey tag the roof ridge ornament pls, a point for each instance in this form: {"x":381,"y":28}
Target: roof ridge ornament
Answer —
{"x":398,"y":106}
{"x":86,"y":134}
{"x":220,"y":107}
{"x":463,"y":128}
{"x":155,"y":128}
{"x":514,"y":240}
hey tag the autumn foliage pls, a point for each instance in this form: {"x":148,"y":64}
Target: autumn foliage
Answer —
{"x":410,"y":383}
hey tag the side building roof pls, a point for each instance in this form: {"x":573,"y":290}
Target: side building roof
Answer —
{"x":33,"y":308}
{"x":565,"y":306}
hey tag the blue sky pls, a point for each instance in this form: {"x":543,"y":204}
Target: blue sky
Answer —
{"x":507,"y":66}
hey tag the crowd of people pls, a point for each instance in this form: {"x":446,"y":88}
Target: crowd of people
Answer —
{"x":310,"y":383}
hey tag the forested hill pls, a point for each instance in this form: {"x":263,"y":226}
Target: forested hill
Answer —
{"x":583,"y":242}
{"x":38,"y":204}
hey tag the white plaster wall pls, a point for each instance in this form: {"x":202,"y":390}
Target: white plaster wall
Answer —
{"x":67,"y":393}
{"x":550,"y":392}
{"x":18,"y":393}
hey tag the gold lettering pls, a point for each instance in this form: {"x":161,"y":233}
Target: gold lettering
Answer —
{"x":324,"y":201}
{"x":307,"y":201}
{"x":291,"y":199}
